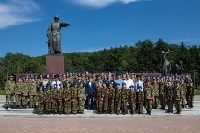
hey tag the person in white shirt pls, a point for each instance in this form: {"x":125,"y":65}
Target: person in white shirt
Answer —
{"x":56,"y":82}
{"x":138,"y":83}
{"x":129,"y":82}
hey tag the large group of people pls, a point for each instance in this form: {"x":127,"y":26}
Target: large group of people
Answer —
{"x":105,"y":92}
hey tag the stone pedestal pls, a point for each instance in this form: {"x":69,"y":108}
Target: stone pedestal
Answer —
{"x":55,"y":64}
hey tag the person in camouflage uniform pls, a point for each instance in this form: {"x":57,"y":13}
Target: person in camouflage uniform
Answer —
{"x":111,"y":96}
{"x":10,"y":92}
{"x":32,"y":93}
{"x":67,"y":95}
{"x":183,"y":93}
{"x":140,"y":100}
{"x":118,"y":99}
{"x":132,"y":99}
{"x":98,"y":94}
{"x":105,"y":97}
{"x":169,"y":94}
{"x":81,"y":98}
{"x":177,"y":95}
{"x":148,"y":97}
{"x":25,"y":96}
{"x":190,"y":91}
{"x":18,"y":90}
{"x":155,"y":93}
{"x":55,"y":99}
{"x":75,"y":98}
{"x":162,"y":92}
{"x":60,"y":99}
{"x":48,"y":99}
{"x":124,"y":98}
{"x":40,"y":98}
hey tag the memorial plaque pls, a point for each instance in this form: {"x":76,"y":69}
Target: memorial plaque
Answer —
{"x":55,"y":64}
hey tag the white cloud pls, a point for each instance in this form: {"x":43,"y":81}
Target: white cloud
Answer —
{"x":16,"y":12}
{"x":102,"y":3}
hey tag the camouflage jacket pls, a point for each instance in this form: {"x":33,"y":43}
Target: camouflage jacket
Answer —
{"x":33,"y":89}
{"x":132,"y":96}
{"x":19,"y":88}
{"x":10,"y":87}
{"x":124,"y":94}
{"x":67,"y":94}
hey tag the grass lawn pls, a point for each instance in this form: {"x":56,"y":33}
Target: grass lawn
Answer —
{"x":1,"y":92}
{"x":197,"y":91}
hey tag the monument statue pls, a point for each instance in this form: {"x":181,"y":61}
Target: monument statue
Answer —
{"x":167,"y":64}
{"x":54,"y":36}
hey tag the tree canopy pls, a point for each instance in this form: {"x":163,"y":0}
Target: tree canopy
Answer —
{"x":144,"y":56}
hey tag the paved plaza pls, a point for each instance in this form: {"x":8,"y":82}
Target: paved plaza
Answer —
{"x":28,"y":121}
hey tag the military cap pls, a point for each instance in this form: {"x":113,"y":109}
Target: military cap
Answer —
{"x":56,"y":17}
{"x":67,"y":83}
{"x":117,"y":74}
{"x":10,"y":76}
{"x":186,"y":73}
{"x":123,"y":83}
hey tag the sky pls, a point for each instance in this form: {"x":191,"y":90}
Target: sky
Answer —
{"x":96,"y":24}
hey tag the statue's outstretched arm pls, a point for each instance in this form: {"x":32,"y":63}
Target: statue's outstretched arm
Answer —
{"x":64,"y":24}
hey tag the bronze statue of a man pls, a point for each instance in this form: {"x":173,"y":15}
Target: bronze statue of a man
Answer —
{"x":54,"y":36}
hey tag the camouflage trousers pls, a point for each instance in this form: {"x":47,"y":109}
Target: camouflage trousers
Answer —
{"x":25,"y":100}
{"x":81,"y":105}
{"x":74,"y":105}
{"x":32,"y":100}
{"x":48,"y":105}
{"x":190,"y":101}
{"x":170,"y":105}
{"x":132,"y":107}
{"x":118,"y":106}
{"x":140,"y":107}
{"x":60,"y":105}
{"x":148,"y":105}
{"x":183,"y":102}
{"x":124,"y":106}
{"x":156,"y":102}
{"x":162,"y":100}
{"x":40,"y":107}
{"x":9,"y":99}
{"x":18,"y":99}
{"x":178,"y":105}
{"x":55,"y":105}
{"x":111,"y":105}
{"x":100,"y":104}
{"x":105,"y":104}
{"x":67,"y":106}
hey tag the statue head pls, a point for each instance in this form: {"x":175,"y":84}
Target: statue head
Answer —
{"x":56,"y":18}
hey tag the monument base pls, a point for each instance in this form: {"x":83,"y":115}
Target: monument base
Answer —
{"x":55,"y":64}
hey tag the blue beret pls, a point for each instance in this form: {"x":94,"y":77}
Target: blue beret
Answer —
{"x":111,"y":83}
{"x":104,"y":82}
{"x":48,"y":85}
{"x":139,"y":87}
{"x":40,"y":86}
{"x":75,"y":83}
{"x":131,"y":86}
